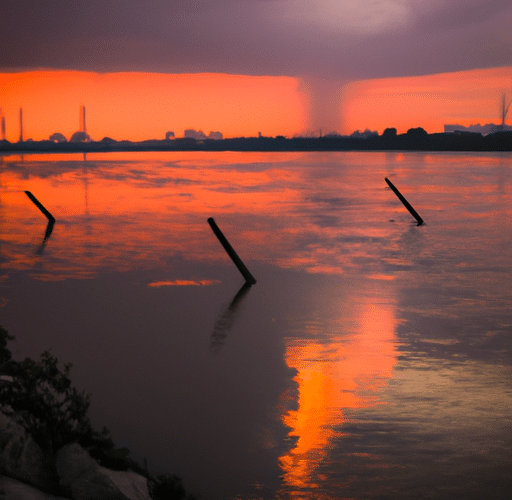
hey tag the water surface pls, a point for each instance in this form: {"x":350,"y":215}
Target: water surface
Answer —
{"x":372,"y":359}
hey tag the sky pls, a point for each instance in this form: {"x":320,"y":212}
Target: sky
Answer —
{"x":247,"y":55}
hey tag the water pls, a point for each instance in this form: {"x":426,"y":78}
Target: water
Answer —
{"x":372,"y":359}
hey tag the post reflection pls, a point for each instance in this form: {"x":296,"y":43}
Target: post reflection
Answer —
{"x":47,"y":234}
{"x":345,"y":371}
{"x":226,"y":319}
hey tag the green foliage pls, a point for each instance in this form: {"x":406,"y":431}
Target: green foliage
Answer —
{"x":5,"y":354}
{"x":40,"y":397}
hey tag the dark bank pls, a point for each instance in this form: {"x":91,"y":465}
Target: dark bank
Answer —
{"x":415,"y":139}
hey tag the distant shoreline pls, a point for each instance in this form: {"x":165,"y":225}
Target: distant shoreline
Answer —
{"x":413,"y":140}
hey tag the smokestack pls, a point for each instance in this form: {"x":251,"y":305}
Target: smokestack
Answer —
{"x":82,"y":119}
{"x":504,"y":111}
{"x":2,"y":125}
{"x":21,"y":125}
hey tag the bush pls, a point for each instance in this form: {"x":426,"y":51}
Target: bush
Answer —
{"x":40,"y":397}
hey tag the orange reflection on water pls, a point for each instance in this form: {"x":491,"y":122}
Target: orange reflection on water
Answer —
{"x":127,"y":211}
{"x":158,"y":284}
{"x":342,"y":372}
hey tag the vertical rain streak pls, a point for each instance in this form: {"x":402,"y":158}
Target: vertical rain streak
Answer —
{"x":324,"y":98}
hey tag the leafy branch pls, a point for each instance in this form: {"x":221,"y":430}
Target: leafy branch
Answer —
{"x":41,"y":398}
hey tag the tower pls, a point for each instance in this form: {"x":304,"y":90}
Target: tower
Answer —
{"x":21,"y":125}
{"x":504,"y":111}
{"x":82,"y":120}
{"x":2,"y":126}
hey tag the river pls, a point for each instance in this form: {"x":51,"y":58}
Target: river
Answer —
{"x":372,"y":358}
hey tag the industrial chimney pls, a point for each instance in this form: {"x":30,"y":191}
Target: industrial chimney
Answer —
{"x":82,"y":120}
{"x":21,"y":125}
{"x":504,"y":111}
{"x":2,"y":125}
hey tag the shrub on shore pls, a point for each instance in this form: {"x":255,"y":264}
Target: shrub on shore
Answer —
{"x":41,"y":398}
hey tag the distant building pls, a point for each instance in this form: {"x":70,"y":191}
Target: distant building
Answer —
{"x":215,"y":135}
{"x":169,"y":135}
{"x":193,"y":134}
{"x":57,"y":137}
{"x":80,"y":136}
{"x":489,"y":128}
{"x":365,"y":134}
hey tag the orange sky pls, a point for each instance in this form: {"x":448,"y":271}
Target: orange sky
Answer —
{"x":139,"y":106}
{"x":464,"y":98}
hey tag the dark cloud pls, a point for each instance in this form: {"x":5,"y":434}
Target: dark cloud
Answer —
{"x":328,"y":38}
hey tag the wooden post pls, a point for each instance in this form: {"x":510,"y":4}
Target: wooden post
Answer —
{"x":249,"y":278}
{"x":38,"y":204}
{"x":404,"y":201}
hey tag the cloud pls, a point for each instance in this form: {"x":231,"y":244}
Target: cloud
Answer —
{"x":358,"y":18}
{"x":330,"y":38}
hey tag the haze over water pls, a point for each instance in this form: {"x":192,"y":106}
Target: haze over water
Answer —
{"x":372,"y":358}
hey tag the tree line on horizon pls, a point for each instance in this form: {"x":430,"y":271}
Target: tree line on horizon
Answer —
{"x":414,"y":139}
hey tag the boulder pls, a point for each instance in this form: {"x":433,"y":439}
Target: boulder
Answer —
{"x":22,"y":458}
{"x":83,"y":478}
{"x":12,"y":489}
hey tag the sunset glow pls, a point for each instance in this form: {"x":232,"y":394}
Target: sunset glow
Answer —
{"x":142,"y":106}
{"x":431,"y":101}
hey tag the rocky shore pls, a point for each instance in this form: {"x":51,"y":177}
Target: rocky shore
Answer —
{"x":48,"y":447}
{"x":27,"y":473}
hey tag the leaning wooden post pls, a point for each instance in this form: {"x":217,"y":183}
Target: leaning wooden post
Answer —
{"x":249,"y":278}
{"x":39,"y":205}
{"x":404,"y":201}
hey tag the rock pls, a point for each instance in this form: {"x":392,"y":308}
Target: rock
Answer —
{"x":12,"y":489}
{"x":84,"y":479}
{"x":73,"y":462}
{"x":22,"y":458}
{"x":131,"y":485}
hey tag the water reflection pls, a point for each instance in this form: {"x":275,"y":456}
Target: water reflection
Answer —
{"x":225,"y":321}
{"x":345,"y":371}
{"x":47,"y":234}
{"x":102,"y":225}
{"x":371,"y":357}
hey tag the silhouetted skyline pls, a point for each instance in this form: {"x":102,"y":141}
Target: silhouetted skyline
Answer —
{"x":415,"y":139}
